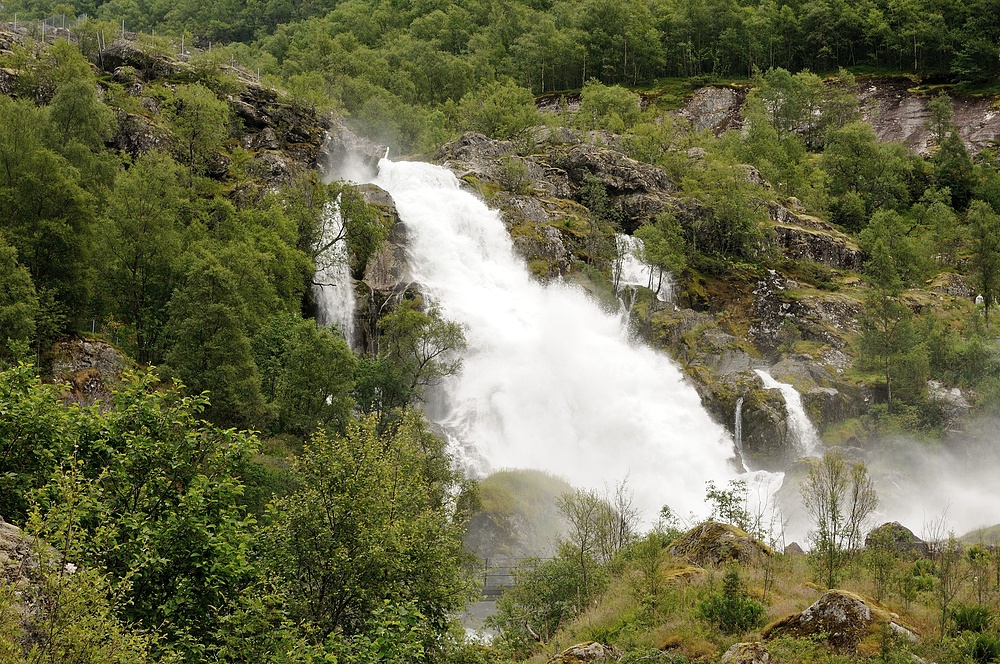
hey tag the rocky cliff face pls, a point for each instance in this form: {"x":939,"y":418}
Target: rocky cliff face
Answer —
{"x":890,"y":105}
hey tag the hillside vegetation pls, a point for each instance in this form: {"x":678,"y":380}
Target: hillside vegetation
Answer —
{"x":244,"y":486}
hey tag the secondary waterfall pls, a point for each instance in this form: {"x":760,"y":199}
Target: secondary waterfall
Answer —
{"x":549,"y":379}
{"x":738,"y":430}
{"x":806,"y":438}
{"x":634,"y":272}
{"x":332,"y":284}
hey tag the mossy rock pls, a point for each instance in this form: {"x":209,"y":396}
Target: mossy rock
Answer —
{"x":842,"y":619}
{"x":714,"y":543}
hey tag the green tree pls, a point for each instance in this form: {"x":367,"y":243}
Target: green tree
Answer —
{"x":953,"y":168}
{"x":314,"y":384}
{"x":140,"y":241}
{"x":200,"y":123}
{"x":732,"y":610}
{"x":985,"y":226}
{"x":68,"y":612}
{"x":499,"y":109}
{"x":209,"y":346}
{"x":839,"y":499}
{"x":662,"y":247}
{"x":890,"y":343}
{"x":37,"y":435}
{"x":45,"y":213}
{"x":369,"y":524}
{"x":607,"y":107}
{"x":423,"y":344}
{"x":856,"y":163}
{"x":18,"y":301}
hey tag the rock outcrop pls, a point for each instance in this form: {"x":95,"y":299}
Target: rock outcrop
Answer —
{"x":586,"y":653}
{"x":804,"y":237}
{"x":147,"y":64}
{"x":753,"y":652}
{"x":842,"y":619}
{"x":897,"y":537}
{"x":717,"y":109}
{"x":89,"y":366}
{"x":897,"y":114}
{"x":17,"y":562}
{"x":714,"y":543}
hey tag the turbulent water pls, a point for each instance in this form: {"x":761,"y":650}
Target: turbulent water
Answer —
{"x":806,"y":439}
{"x":332,"y":285}
{"x":549,"y":380}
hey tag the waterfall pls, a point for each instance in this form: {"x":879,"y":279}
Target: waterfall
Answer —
{"x":634,"y":272}
{"x":806,"y":439}
{"x":549,"y":380}
{"x":738,"y":430}
{"x":332,"y":283}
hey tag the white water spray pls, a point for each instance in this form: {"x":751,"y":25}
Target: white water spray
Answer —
{"x":332,"y":284}
{"x":549,"y":380}
{"x":806,"y":438}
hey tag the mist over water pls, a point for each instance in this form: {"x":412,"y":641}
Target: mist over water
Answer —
{"x":956,"y":481}
{"x":549,"y":380}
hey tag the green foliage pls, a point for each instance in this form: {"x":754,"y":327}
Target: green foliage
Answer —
{"x":18,"y":301}
{"x":545,"y":595}
{"x":313,"y":380}
{"x":983,"y":648}
{"x":68,"y":612}
{"x":729,"y":505}
{"x":731,"y":610}
{"x":971,"y":618}
{"x":422,"y":345}
{"x":200,"y":125}
{"x":499,"y":109}
{"x":210,"y":349}
{"x":858,"y":164}
{"x":663,"y":247}
{"x":370,"y":523}
{"x":513,"y":175}
{"x":985,"y":226}
{"x":140,"y":244}
{"x":730,"y":225}
{"x":607,"y":107}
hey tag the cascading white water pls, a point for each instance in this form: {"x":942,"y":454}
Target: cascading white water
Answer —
{"x":634,"y":272}
{"x":738,"y":430}
{"x":806,"y":438}
{"x":549,"y":380}
{"x":332,"y":283}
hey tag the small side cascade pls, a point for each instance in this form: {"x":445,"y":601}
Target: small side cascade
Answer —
{"x":806,"y":438}
{"x":634,"y":272}
{"x":332,"y":283}
{"x":738,"y":435}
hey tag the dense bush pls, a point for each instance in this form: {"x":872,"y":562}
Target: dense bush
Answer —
{"x":731,"y":610}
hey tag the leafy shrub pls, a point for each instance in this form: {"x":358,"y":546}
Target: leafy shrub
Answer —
{"x":984,"y":648}
{"x":971,"y":618}
{"x":731,"y":610}
{"x":513,"y":176}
